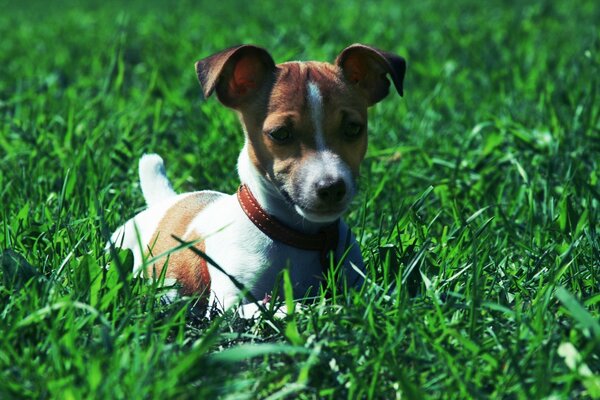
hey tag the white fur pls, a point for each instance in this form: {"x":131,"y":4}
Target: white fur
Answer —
{"x":254,"y":259}
{"x":315,"y":104}
{"x":153,"y":179}
{"x":325,"y":162}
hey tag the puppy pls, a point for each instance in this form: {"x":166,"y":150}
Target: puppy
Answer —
{"x":305,"y":127}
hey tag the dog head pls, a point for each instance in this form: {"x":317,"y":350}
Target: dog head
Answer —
{"x":305,"y":122}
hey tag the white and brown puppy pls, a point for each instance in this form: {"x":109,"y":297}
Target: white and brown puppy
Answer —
{"x":305,"y":126}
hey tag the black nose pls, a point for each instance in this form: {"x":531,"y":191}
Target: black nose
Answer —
{"x":330,"y":190}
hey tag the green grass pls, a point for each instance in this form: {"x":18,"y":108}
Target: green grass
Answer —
{"x":480,"y":185}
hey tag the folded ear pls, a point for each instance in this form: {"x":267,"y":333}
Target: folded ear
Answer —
{"x":367,"y":67}
{"x":236,"y":74}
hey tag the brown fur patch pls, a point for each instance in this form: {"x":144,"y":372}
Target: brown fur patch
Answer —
{"x":189,"y":269}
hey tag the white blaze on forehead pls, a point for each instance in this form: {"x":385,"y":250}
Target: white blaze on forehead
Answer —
{"x":324,"y":162}
{"x":315,"y":104}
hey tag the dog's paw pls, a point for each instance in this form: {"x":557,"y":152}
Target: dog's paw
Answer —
{"x":253,"y":311}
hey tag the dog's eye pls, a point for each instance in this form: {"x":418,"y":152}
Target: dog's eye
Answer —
{"x":352,"y":130}
{"x":280,"y":135}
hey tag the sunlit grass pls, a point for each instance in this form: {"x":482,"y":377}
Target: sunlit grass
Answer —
{"x":477,"y":215}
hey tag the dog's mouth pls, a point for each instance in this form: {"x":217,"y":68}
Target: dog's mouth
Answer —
{"x":314,"y":214}
{"x":320,"y":215}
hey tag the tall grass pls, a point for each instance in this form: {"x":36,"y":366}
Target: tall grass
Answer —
{"x":477,"y":215}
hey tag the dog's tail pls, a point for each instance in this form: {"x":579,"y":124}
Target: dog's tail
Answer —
{"x":153,"y":179}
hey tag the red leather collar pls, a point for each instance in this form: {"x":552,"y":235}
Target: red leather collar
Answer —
{"x":325,"y":241}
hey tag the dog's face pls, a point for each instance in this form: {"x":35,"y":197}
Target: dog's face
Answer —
{"x":306,"y":122}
